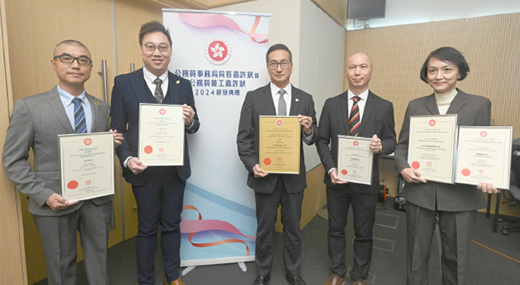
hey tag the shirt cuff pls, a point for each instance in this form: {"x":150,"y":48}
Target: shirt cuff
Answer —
{"x":307,"y":138}
{"x":191,"y":124}
{"x":126,"y":162}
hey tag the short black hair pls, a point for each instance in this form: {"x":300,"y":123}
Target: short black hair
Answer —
{"x":447,"y":54}
{"x":277,"y":47}
{"x":152,"y":27}
{"x":70,"y":43}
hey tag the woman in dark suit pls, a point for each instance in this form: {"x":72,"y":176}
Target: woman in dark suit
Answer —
{"x":456,"y":205}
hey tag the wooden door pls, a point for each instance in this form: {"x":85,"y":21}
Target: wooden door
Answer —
{"x":34,"y":28}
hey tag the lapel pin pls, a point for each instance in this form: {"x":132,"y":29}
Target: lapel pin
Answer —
{"x":178,"y":81}
{"x":96,"y":103}
{"x":297,"y":100}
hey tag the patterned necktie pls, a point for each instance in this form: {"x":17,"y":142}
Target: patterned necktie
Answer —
{"x":354,"y":121}
{"x":80,"y":123}
{"x":282,"y":107}
{"x":158,"y":94}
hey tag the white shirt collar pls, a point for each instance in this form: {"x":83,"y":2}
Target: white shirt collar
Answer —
{"x":151,"y":77}
{"x":363,"y":95}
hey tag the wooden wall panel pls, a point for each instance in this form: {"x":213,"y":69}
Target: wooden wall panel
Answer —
{"x":12,"y":257}
{"x":490,"y":45}
{"x":34,"y":28}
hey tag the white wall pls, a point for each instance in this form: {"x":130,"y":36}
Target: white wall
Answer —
{"x":317,"y":44}
{"x":322,"y":57}
{"x":402,"y":12}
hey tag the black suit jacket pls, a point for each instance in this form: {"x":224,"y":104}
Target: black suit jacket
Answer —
{"x":130,"y":90}
{"x":260,"y":102}
{"x":378,"y":119}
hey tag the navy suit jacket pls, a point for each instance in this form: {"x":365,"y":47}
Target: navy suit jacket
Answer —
{"x":378,"y":119}
{"x":260,"y":102}
{"x":130,"y":90}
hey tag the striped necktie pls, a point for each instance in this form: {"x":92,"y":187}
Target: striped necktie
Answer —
{"x":80,"y":123}
{"x":354,"y":120}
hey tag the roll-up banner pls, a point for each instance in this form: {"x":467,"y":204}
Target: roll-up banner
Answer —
{"x":222,"y":54}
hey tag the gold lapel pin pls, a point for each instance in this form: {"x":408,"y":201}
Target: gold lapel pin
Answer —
{"x":178,"y":81}
{"x":96,"y":103}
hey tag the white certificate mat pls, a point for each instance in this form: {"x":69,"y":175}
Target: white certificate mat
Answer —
{"x":432,"y":146}
{"x":87,"y":165}
{"x":161,"y":135}
{"x":484,"y":155}
{"x":355,"y":159}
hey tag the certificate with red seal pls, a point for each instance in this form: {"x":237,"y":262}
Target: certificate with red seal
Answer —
{"x":161,"y":135}
{"x":355,"y":159}
{"x":86,"y":165}
{"x":432,"y":146}
{"x":484,"y":155}
{"x":280,"y":143}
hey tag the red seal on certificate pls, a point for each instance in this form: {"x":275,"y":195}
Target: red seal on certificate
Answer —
{"x":267,"y":161}
{"x":279,"y":122}
{"x":355,"y":143}
{"x":162,"y":111}
{"x":87,"y":141}
{"x":466,"y":172}
{"x":148,"y":149}
{"x":72,"y":184}
{"x":344,"y":172}
{"x":432,"y":122}
{"x":416,"y":165}
{"x":483,"y":134}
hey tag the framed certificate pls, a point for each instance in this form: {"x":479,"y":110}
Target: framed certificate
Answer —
{"x":484,"y":155}
{"x":86,"y":165}
{"x":280,"y":143}
{"x":355,"y":159}
{"x":432,"y":146}
{"x":161,"y":135}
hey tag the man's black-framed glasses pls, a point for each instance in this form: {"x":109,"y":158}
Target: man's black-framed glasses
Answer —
{"x":274,"y":64}
{"x":69,"y":59}
{"x":162,"y":48}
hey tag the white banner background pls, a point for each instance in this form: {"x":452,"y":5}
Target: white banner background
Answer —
{"x":217,"y":191}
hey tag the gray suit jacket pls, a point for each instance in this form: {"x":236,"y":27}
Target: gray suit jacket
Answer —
{"x":471,"y":110}
{"x":260,"y":102}
{"x":36,"y":123}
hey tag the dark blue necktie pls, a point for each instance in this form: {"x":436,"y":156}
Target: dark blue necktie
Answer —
{"x":80,"y":123}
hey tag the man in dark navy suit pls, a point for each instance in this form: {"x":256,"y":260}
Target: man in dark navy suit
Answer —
{"x":158,"y":190}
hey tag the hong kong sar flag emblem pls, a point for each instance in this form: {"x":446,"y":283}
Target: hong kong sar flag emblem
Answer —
{"x":217,"y":51}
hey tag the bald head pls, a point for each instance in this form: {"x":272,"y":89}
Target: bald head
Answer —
{"x":358,"y":73}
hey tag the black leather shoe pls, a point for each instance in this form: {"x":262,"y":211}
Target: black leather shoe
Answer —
{"x":261,"y":280}
{"x":295,"y":280}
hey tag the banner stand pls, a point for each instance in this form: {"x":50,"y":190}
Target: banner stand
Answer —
{"x":222,"y":54}
{"x":188,"y":269}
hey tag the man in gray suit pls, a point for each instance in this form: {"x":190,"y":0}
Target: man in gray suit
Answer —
{"x":36,"y":122}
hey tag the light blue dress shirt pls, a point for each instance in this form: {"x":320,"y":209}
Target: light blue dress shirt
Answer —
{"x":66,"y":99}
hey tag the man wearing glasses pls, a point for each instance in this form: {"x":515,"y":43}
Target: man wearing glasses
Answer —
{"x":278,"y":98}
{"x":36,"y":123}
{"x":158,"y":190}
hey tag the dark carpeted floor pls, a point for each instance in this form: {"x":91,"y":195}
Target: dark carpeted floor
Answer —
{"x":494,"y":258}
